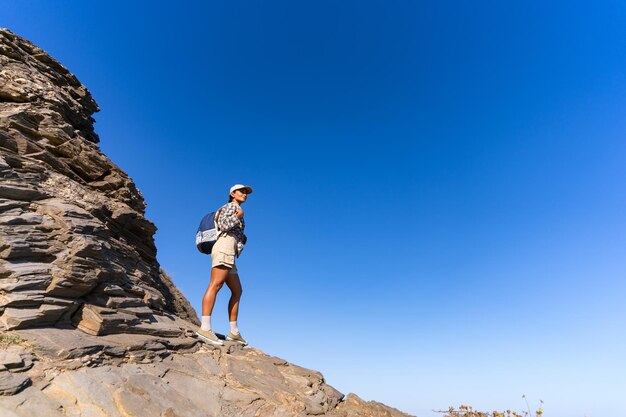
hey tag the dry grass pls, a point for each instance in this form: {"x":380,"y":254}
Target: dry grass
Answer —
{"x":7,"y":339}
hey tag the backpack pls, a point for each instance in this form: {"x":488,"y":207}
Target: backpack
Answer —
{"x":207,"y":233}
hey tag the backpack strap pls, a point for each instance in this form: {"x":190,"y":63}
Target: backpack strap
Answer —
{"x":217,"y":214}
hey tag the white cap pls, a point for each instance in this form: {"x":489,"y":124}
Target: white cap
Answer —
{"x":236,"y":187}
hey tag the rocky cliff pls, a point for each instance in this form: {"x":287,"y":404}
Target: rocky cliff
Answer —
{"x":74,"y":244}
{"x":91,"y":325}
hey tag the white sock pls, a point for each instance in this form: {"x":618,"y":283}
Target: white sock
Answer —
{"x":233,"y":327}
{"x":206,"y":323}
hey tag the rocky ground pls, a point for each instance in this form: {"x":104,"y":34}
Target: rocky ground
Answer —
{"x":63,"y":372}
{"x":90,"y":325}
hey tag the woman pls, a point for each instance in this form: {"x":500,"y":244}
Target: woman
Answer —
{"x":229,"y":244}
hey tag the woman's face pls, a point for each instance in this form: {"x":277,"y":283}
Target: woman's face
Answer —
{"x":239,"y":196}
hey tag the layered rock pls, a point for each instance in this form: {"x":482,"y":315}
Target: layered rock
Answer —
{"x":120,"y":375}
{"x":74,"y":243}
{"x":90,"y":325}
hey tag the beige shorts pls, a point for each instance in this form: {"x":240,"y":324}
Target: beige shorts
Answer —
{"x":223,"y":253}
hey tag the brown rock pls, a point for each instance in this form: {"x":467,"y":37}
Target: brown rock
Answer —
{"x":354,"y":406}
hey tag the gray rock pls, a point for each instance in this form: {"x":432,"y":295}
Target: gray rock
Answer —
{"x":71,"y":222}
{"x":11,"y":383}
{"x":44,"y":314}
{"x":28,"y":403}
{"x":207,"y":382}
{"x":11,"y":360}
{"x":20,"y":192}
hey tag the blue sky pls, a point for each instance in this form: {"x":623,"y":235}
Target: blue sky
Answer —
{"x":438,"y":215}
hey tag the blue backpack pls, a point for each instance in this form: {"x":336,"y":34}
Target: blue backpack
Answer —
{"x":207,"y":233}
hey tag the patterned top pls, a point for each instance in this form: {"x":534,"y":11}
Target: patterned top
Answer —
{"x":228,"y":222}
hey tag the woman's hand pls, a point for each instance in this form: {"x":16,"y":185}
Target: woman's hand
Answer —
{"x":239,"y":213}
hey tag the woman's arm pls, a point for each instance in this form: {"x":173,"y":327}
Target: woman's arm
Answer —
{"x":228,"y":218}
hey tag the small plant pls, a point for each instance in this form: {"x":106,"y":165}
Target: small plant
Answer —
{"x":7,"y":339}
{"x":468,"y":411}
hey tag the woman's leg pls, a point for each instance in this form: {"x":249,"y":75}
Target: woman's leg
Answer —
{"x":234,"y":284}
{"x":218,"y":276}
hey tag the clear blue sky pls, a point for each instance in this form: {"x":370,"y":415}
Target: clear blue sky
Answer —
{"x":438,"y":215}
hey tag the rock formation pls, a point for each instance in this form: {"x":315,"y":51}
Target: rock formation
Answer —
{"x":91,"y":325}
{"x":74,"y":244}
